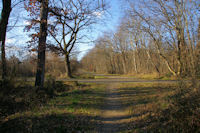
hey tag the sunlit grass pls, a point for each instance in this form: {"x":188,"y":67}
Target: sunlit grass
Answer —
{"x":82,"y":103}
{"x":75,"y":108}
{"x":76,"y":101}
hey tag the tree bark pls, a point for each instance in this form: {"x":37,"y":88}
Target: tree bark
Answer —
{"x":42,"y":44}
{"x":135,"y":55}
{"x":198,"y":42}
{"x":3,"y":26}
{"x":68,"y":66}
{"x":165,"y":59}
{"x":198,"y":53}
{"x":168,"y":65}
{"x":150,"y":58}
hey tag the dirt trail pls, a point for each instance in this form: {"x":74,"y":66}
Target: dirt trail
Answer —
{"x":115,"y":114}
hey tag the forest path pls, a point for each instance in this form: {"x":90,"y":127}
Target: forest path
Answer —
{"x":115,"y":112}
{"x":118,"y":80}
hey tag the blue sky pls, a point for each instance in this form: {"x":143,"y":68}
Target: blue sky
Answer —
{"x":17,"y":38}
{"x":111,"y":21}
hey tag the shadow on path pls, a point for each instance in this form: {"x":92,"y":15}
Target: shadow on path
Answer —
{"x":115,"y":114}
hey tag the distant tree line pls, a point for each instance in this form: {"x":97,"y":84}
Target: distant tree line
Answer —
{"x":161,"y":37}
{"x":55,"y":66}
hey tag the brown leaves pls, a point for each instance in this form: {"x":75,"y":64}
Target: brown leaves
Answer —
{"x":35,"y":35}
{"x":32,"y":6}
{"x":33,"y":49}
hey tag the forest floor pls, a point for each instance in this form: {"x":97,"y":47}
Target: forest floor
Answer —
{"x":94,"y":107}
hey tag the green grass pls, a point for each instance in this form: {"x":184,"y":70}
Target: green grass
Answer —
{"x":68,"y":111}
{"x":76,"y":101}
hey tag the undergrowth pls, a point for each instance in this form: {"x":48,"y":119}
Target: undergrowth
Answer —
{"x":182,"y":114}
{"x":17,"y":96}
{"x":57,"y":107}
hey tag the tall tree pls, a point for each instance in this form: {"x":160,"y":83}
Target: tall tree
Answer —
{"x":70,"y":17}
{"x":3,"y":26}
{"x":42,"y":44}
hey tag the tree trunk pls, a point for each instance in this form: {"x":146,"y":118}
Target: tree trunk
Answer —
{"x":150,"y":58}
{"x":198,"y":53}
{"x":42,"y":44}
{"x":168,"y":65}
{"x":124,"y":63}
{"x":68,"y":67}
{"x":3,"y":26}
{"x":165,"y":60}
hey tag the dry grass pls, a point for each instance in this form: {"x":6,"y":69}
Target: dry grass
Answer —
{"x":166,"y":108}
{"x":149,"y":107}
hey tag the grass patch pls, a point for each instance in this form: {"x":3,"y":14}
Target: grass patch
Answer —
{"x":100,"y":77}
{"x":143,"y":76}
{"x":153,"y":76}
{"x":71,"y":109}
{"x":84,"y":76}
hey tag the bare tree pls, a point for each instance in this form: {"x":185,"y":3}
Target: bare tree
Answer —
{"x":159,"y":37}
{"x":69,"y":19}
{"x":169,"y":23}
